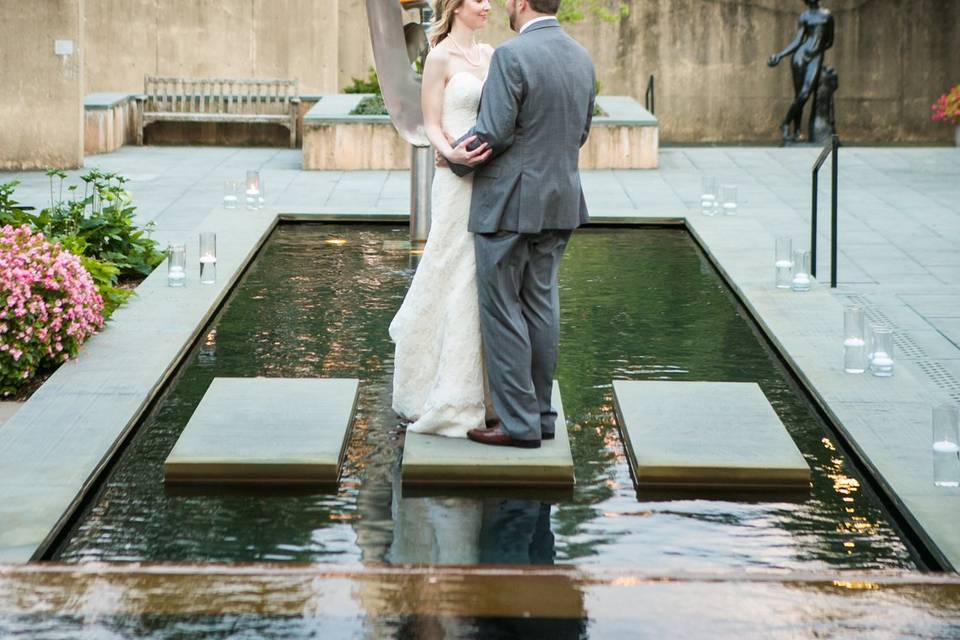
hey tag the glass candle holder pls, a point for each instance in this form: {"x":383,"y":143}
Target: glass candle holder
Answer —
{"x":728,"y":199}
{"x":784,"y":262}
{"x":946,"y":446}
{"x":708,"y":196}
{"x":231,"y":191}
{"x":854,"y":344}
{"x":880,"y":352}
{"x":252,"y":190}
{"x":176,"y":265}
{"x":208,"y":257}
{"x":801,"y":271}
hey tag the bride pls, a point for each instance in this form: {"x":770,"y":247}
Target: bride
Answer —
{"x":439,"y":381}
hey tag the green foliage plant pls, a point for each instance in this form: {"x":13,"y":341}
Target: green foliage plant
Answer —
{"x":573,"y":11}
{"x":371,"y":84}
{"x":96,"y":225}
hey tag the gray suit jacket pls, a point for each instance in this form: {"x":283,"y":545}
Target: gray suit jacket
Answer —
{"x":535,"y":114}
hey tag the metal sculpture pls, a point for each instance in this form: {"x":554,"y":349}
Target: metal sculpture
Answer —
{"x":397,"y":46}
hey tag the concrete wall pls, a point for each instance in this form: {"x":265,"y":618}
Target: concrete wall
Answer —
{"x":894,"y":57}
{"x":41,"y":94}
{"x":211,"y":38}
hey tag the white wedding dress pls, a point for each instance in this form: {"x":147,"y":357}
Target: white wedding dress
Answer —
{"x":438,"y":377}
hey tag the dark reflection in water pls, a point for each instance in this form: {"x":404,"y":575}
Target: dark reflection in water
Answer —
{"x":325,"y":601}
{"x":637,"y":304}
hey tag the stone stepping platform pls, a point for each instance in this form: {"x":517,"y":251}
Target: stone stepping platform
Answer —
{"x":266,"y":431}
{"x":714,"y":435}
{"x":457,"y":462}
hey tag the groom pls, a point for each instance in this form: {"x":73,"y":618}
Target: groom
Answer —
{"x":535,"y":114}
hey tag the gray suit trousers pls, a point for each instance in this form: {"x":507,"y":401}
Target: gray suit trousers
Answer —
{"x":520,"y":325}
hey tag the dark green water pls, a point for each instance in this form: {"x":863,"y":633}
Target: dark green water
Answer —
{"x":636,"y":304}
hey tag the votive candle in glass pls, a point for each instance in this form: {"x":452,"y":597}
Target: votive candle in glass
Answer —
{"x":176,"y":265}
{"x":801,"y":271}
{"x":208,"y":257}
{"x":728,"y":199}
{"x":252,"y":190}
{"x":946,"y":446}
{"x":881,"y":360}
{"x":709,"y":193}
{"x":783,"y":256}
{"x":854,"y":344}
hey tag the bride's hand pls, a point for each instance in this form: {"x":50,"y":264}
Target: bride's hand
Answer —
{"x":463,"y":156}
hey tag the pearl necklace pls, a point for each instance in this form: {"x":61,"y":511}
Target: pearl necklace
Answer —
{"x":464,"y":53}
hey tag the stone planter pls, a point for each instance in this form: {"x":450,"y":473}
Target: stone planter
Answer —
{"x":956,"y":135}
{"x":333,"y":140}
{"x":109,"y":121}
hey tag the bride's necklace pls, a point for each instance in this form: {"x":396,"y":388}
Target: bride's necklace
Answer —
{"x":464,"y":53}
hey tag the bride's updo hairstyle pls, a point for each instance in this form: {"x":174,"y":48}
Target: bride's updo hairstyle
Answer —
{"x":442,"y":20}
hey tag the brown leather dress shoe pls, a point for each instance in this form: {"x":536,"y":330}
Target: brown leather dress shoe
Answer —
{"x":494,"y":423}
{"x":498,"y":436}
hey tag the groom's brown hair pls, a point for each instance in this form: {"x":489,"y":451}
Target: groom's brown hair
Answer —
{"x":545,"y":6}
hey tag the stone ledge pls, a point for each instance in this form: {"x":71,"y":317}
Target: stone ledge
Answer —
{"x":108,"y":99}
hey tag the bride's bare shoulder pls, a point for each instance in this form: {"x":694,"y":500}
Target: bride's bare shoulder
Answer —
{"x":438,"y":55}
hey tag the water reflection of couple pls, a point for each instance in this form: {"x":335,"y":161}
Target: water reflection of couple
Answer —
{"x":456,"y":530}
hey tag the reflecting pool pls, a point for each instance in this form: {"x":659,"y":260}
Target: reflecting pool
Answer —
{"x":638,"y":304}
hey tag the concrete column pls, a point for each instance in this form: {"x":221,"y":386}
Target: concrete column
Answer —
{"x":41,"y":93}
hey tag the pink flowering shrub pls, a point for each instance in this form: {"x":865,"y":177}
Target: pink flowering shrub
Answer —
{"x":947,"y":107}
{"x":50,"y":305}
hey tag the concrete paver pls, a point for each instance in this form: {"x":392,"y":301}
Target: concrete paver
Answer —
{"x":706,"y":435}
{"x":266,"y":430}
{"x":430,"y":460}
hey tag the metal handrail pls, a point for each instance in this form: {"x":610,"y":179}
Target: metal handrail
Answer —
{"x":649,"y":97}
{"x":830,"y":148}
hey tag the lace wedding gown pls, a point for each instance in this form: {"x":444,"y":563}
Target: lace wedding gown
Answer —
{"x":438,"y":378}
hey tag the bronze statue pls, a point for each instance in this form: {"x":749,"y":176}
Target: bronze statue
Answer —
{"x":814,"y":37}
{"x":823,"y":123}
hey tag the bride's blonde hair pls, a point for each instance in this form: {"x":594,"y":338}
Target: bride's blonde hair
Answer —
{"x":442,"y":20}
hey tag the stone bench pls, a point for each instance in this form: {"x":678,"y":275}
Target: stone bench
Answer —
{"x":627,"y":137}
{"x":219,"y":100}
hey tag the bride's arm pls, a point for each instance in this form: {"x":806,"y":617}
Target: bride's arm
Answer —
{"x":431,"y":102}
{"x":431,"y":98}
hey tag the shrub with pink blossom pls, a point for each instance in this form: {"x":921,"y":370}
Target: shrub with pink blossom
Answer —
{"x":947,"y":107}
{"x":50,"y":305}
